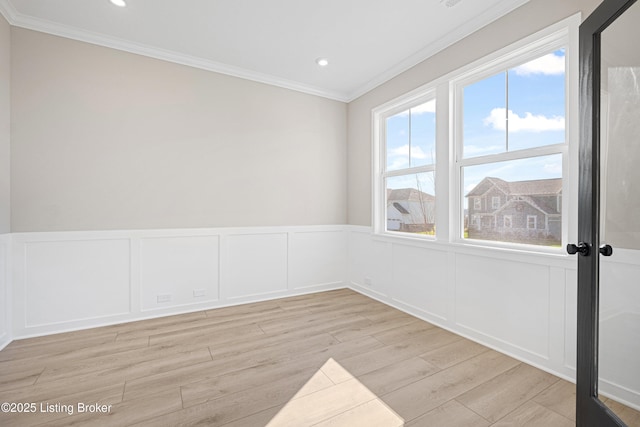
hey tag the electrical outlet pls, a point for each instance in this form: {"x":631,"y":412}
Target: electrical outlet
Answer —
{"x":163,"y":298}
{"x":199,"y":293}
{"x":368,"y":281}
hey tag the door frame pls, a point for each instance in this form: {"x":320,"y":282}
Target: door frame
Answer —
{"x":590,"y":411}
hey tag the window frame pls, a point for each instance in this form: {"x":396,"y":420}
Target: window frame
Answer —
{"x":448,"y":188}
{"x":561,"y":35}
{"x":381,"y":174}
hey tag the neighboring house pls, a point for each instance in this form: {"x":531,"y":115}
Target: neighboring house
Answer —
{"x":410,"y":210}
{"x":521,"y":211}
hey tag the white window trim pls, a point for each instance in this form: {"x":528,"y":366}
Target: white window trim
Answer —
{"x":562,"y":34}
{"x":535,"y":222}
{"x":449,"y":215}
{"x":379,"y":116}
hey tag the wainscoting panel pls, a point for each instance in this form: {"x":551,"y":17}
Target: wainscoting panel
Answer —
{"x":257,"y":265}
{"x":499,"y":298}
{"x":370,"y":263}
{"x":423,"y":274}
{"x":571,"y":319}
{"x":61,"y":274}
{"x":317,"y":258}
{"x":504,"y":300}
{"x":523,"y":304}
{"x":179,"y":271}
{"x":63,"y":281}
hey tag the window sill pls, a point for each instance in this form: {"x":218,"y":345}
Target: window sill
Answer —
{"x":554,"y":257}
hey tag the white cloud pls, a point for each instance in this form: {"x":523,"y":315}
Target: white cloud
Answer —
{"x":528,"y":123}
{"x":550,"y":65}
{"x":398,"y":158}
{"x":427,"y":107}
{"x":554,"y":168}
{"x":403,"y":151}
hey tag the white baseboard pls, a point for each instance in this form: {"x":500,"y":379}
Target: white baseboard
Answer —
{"x":5,"y":340}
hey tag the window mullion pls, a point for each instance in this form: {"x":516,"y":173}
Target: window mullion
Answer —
{"x":515,"y":155}
{"x":409,"y":171}
{"x":409,"y":138}
{"x":506,"y":113}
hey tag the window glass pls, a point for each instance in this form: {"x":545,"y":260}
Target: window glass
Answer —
{"x":411,"y":203}
{"x":506,"y":145}
{"x":517,"y":109}
{"x":423,"y":134}
{"x":411,"y":136}
{"x":482,"y":101}
{"x":397,"y":139}
{"x":537,"y":102}
{"x":529,"y":190}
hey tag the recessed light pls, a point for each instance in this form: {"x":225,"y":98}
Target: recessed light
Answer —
{"x":323,"y":62}
{"x":119,"y":3}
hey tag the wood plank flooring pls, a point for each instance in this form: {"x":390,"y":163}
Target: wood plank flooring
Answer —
{"x":328,"y":359}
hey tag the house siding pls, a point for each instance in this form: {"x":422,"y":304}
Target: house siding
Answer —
{"x":488,"y":221}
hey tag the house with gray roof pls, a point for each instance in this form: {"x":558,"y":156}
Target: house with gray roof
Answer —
{"x":518,"y":211}
{"x":410,"y":210}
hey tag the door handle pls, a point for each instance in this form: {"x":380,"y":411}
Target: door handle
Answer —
{"x":581,"y":248}
{"x":606,"y":250}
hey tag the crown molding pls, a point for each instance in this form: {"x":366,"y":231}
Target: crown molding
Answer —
{"x":18,"y":20}
{"x":8,"y":11}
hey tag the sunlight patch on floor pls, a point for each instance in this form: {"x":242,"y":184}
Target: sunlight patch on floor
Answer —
{"x":334,"y":397}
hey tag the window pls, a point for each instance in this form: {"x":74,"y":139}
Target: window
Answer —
{"x":477,"y":203}
{"x":512,"y":141}
{"x":408,"y":172}
{"x":495,"y":202}
{"x":476,"y":221}
{"x":507,"y":221}
{"x":502,"y":139}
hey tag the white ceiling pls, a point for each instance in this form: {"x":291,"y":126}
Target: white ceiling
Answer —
{"x":366,"y":41}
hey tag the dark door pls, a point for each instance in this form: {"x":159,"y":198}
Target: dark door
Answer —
{"x":608,"y":362}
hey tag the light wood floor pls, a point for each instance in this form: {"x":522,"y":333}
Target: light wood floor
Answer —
{"x":328,"y":359}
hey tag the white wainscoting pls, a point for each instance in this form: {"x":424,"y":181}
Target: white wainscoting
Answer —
{"x":65,"y":281}
{"x":186,"y":267}
{"x":502,"y":299}
{"x":6,"y":334}
{"x":520,"y":304}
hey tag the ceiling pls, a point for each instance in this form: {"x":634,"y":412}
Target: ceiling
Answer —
{"x":367,"y":42}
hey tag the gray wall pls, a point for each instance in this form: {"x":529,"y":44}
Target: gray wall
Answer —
{"x":524,"y":21}
{"x":5,"y":131}
{"x":104,"y":139}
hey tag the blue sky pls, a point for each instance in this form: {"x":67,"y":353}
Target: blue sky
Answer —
{"x":535,"y":106}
